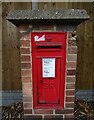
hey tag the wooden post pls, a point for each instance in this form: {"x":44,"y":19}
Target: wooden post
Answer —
{"x":0,"y":58}
{"x":34,"y":4}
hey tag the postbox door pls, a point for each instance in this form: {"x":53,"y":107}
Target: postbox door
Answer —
{"x":49,"y":80}
{"x":48,"y":69}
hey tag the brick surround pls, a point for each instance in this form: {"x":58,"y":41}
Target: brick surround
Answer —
{"x":26,"y":76}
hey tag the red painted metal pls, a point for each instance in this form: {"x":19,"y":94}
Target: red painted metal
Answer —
{"x":48,"y":92}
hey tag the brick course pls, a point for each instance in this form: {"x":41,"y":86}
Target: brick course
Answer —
{"x":72,"y":50}
{"x":53,"y":117}
{"x":70,"y":86}
{"x":27,"y":111}
{"x":65,"y":111}
{"x":27,"y":98}
{"x":70,"y":79}
{"x":69,"y":117}
{"x":27,"y":105}
{"x":25,"y":65}
{"x":25,"y":43}
{"x":26,"y":79}
{"x":70,"y":92}
{"x":70,"y":99}
{"x":71,"y":65}
{"x":26,"y":73}
{"x":25,"y":58}
{"x":71,"y":72}
{"x":27,"y":91}
{"x":72,"y":42}
{"x":26,"y":85}
{"x":38,"y":111}
{"x":72,"y":57}
{"x":32,"y":117}
{"x":25,"y":50}
{"x":69,"y":105}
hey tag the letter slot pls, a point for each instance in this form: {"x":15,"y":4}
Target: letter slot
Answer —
{"x":49,"y":46}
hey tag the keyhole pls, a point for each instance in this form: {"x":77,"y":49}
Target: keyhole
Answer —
{"x":41,"y":81}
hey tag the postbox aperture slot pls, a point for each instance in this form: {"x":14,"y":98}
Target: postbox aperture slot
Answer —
{"x":49,"y":46}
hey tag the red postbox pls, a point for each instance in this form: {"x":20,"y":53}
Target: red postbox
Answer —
{"x":48,"y":69}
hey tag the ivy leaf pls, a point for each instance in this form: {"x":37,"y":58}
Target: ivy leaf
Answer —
{"x":82,"y":105}
{"x":83,"y":113}
{"x":87,"y":110}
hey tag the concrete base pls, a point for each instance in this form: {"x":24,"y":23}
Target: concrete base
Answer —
{"x":85,"y":95}
{"x":10,"y":97}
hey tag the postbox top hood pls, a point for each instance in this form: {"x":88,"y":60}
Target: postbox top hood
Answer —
{"x":66,"y":16}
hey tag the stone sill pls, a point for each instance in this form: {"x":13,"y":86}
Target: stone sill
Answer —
{"x":67,"y":16}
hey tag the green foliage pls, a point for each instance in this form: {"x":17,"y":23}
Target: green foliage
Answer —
{"x":84,"y":109}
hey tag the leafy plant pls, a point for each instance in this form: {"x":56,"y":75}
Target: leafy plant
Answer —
{"x":84,"y":109}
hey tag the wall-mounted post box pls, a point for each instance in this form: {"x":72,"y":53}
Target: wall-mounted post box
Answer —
{"x":48,"y":69}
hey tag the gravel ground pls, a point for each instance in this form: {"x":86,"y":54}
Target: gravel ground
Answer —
{"x":84,"y":110}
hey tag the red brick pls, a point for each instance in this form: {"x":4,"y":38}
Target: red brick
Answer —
{"x":24,"y":36}
{"x":69,"y":111}
{"x":44,"y":111}
{"x":43,"y":27}
{"x":53,"y":117}
{"x":71,"y":72}
{"x":27,"y":111}
{"x":27,"y":92}
{"x":25,"y":58}
{"x":70,"y":117}
{"x":72,"y":50}
{"x":25,"y":50}
{"x":25,"y":73}
{"x":27,"y":99}
{"x":65,"y":111}
{"x":33,"y":117}
{"x":71,"y":65}
{"x":71,"y":79}
{"x":25,"y":43}
{"x":70,"y":86}
{"x":25,"y":65}
{"x":26,"y":85}
{"x":72,"y":42}
{"x":26,"y":79}
{"x":71,"y":57}
{"x":70,"y":92}
{"x":70,"y":99}
{"x":69,"y":105}
{"x":23,"y":27}
{"x":27,"y":105}
{"x":59,"y":111}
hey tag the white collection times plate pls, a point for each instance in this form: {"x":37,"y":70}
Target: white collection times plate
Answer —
{"x":48,"y":67}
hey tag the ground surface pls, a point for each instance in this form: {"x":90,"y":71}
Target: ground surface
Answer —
{"x":13,"y":112}
{"x":84,"y":110}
